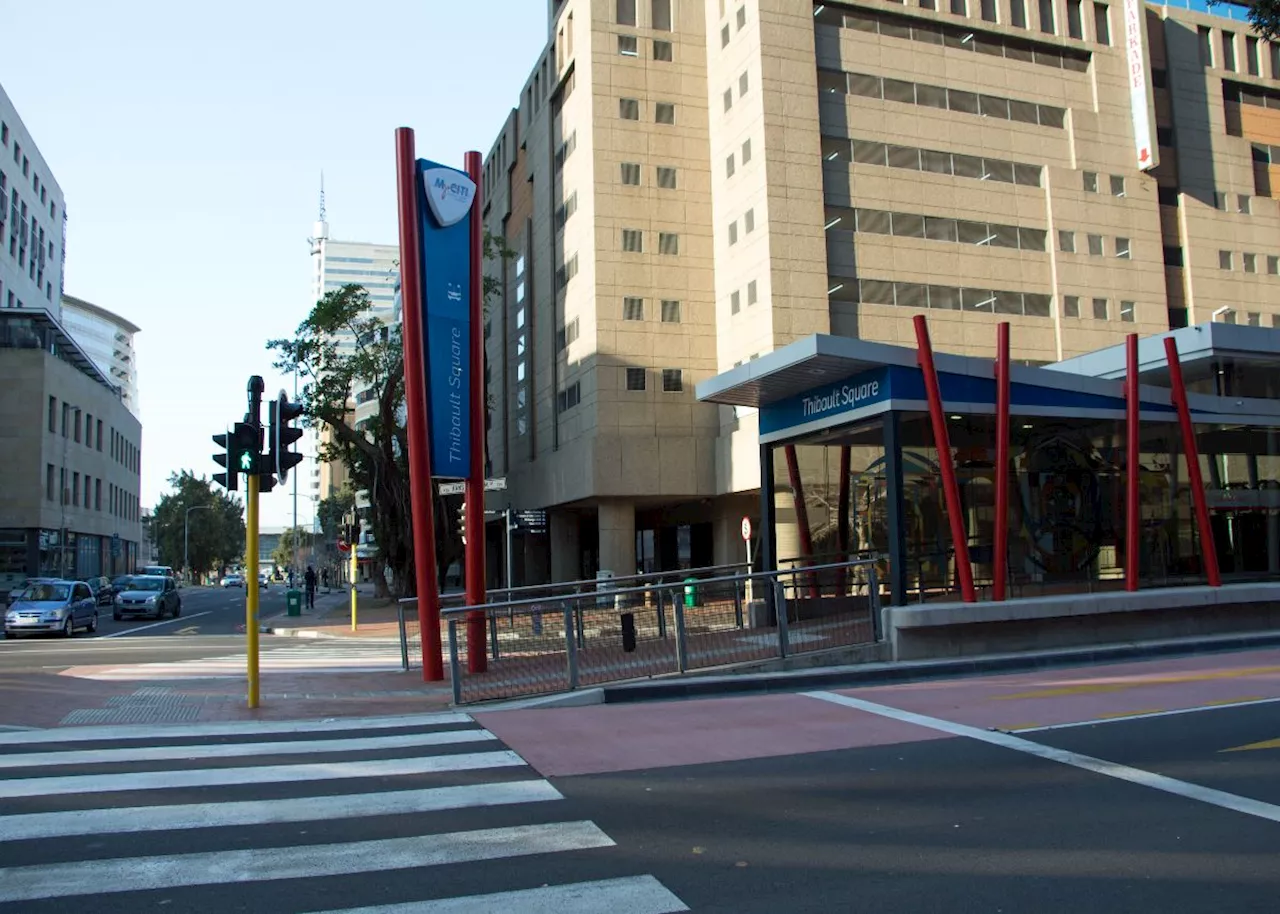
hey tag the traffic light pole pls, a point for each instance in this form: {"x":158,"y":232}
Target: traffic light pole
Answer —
{"x":355,"y":573}
{"x":251,"y":588}
{"x":477,"y":659}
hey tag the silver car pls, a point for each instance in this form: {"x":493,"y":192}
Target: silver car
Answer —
{"x":148,"y":595}
{"x":52,"y":607}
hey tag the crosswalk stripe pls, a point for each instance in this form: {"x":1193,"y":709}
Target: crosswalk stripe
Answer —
{"x":64,"y":880}
{"x":230,"y":728}
{"x":236,"y":750}
{"x":631,"y":895}
{"x":211,"y":777}
{"x":29,"y":826}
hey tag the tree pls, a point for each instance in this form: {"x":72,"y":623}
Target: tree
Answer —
{"x":300,"y":537}
{"x":375,"y":453}
{"x":215,"y":530}
{"x":333,"y":511}
{"x":1264,"y":15}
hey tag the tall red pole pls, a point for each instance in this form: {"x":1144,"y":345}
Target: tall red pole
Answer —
{"x":802,"y":514}
{"x":1000,"y":565}
{"x":942,"y":441}
{"x":1133,"y":470}
{"x":842,"y":519}
{"x":1179,"y":390}
{"x":415,"y":396}
{"x":477,"y":659}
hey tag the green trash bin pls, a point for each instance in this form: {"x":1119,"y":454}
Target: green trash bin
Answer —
{"x":690,"y":593}
{"x":293,"y":599}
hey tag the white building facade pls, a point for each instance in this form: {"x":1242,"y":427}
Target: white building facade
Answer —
{"x":107,"y":338}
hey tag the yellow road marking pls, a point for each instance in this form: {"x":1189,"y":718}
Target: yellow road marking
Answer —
{"x":1117,"y":714}
{"x":1014,"y":728}
{"x":1265,"y":744}
{"x":1232,"y":701}
{"x":1095,"y":688}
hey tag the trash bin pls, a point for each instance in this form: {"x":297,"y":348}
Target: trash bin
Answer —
{"x":690,"y":593}
{"x":293,"y":600}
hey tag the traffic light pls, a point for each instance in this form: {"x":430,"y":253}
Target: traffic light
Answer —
{"x":282,"y":434}
{"x":239,"y":454}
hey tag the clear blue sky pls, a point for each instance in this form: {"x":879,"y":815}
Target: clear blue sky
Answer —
{"x":189,"y":140}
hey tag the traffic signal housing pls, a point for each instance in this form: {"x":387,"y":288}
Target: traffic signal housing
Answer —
{"x":283,"y":435}
{"x":239,"y":454}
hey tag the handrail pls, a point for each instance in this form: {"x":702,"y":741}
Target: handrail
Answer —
{"x":592,"y":582}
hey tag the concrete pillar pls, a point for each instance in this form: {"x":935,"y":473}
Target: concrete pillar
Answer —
{"x":565,"y":548}
{"x":617,"y":524}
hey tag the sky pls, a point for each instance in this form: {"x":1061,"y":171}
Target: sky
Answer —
{"x":189,"y":138}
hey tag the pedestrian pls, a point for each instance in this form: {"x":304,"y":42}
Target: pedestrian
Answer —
{"x":324,"y":579}
{"x":310,"y":579}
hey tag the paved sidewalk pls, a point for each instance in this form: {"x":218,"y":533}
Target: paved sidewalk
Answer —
{"x":331,"y":618}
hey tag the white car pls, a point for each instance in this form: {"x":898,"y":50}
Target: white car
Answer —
{"x":233,"y":580}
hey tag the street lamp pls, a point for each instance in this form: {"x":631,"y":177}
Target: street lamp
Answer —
{"x":186,"y":530}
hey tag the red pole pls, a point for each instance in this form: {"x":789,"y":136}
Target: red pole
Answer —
{"x":1192,"y":452}
{"x":802,"y":514}
{"x":477,"y":659}
{"x":942,"y":441}
{"x":415,"y":395}
{"x":1133,"y":502}
{"x":842,"y":522}
{"x":1000,"y":567}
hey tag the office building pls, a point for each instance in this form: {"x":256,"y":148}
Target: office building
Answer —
{"x":690,"y":186}
{"x":32,"y":220}
{"x":107,"y":338}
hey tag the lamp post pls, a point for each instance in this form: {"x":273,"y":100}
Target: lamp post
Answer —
{"x":186,"y":530}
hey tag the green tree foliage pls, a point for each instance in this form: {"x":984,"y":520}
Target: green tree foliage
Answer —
{"x":333,"y":511}
{"x":1264,"y":15}
{"x":282,"y":555}
{"x":215,"y":529}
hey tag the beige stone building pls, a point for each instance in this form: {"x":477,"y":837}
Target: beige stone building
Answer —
{"x":688,"y":184}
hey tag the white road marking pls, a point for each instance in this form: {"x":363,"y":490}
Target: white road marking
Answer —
{"x":135,"y":874}
{"x":1129,"y":717}
{"x":238,"y":750}
{"x":143,"y":628}
{"x":230,"y":728}
{"x":633,"y":895}
{"x":1062,"y":756}
{"x":270,"y":812}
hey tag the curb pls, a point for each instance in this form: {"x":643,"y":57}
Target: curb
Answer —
{"x":919,"y":670}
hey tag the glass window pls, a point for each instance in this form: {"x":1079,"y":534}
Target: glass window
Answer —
{"x":661,"y":18}
{"x":1030,"y":239}
{"x":744,"y":83}
{"x":944,"y":298}
{"x":874,"y":221}
{"x":1251,"y":55}
{"x":628,"y":46}
{"x":1273,"y":265}
{"x":998,"y":170}
{"x":1036,"y":305}
{"x":939,"y":229}
{"x":668,"y":243}
{"x":1242,"y":204}
{"x":1071,"y":306}
{"x":1250,"y":263}
{"x":1075,"y":24}
{"x":629,"y":109}
{"x":1228,"y":51}
{"x":729,"y":167}
{"x":633,"y":309}
{"x":631,"y":173}
{"x":1224,"y":260}
{"x":1127,"y":312}
{"x":1046,"y":17}
{"x":746,"y":152}
{"x":994,"y":106}
{"x":1095,"y":245}
{"x":1101,"y":23}
{"x":868,"y":153}
{"x":662,"y":50}
{"x":742,"y":17}
{"x":908,"y":225}
{"x":978,"y":300}
{"x":672,"y":380}
{"x":633,"y":241}
{"x":1100,"y":309}
{"x":904,"y":157}
{"x":1018,"y":13}
{"x":1122,"y":249}
{"x":724,"y":37}
{"x":1117,"y":185}
{"x":728,"y":99}
{"x":834,"y":82}
{"x":733,"y":232}
{"x":937,"y":162}
{"x":960,"y":7}
{"x":864,"y":84}
{"x":666,"y":178}
{"x":1066,"y":241}
{"x":965,"y":102}
{"x":752,"y":295}
{"x":899,"y":90}
{"x":989,"y":10}
{"x":749,"y":221}
{"x":626,"y":12}
{"x":1091,"y":182}
{"x":670,"y":311}
{"x":635,"y":378}
{"x":931,"y":96}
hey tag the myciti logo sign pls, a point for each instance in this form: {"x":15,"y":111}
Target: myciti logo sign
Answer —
{"x":449,"y":194}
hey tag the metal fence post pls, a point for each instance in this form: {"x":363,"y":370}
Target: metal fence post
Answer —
{"x":737,"y":605}
{"x":662,"y":615}
{"x":677,"y":607}
{"x":455,"y":668}
{"x":404,"y":638}
{"x":570,"y":645}
{"x":780,"y":601}
{"x":493,"y":634}
{"x":873,"y":601}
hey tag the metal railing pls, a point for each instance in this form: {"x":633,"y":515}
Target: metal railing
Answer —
{"x":571,"y":639}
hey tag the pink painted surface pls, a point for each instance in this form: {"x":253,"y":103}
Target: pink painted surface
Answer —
{"x":564,"y":741}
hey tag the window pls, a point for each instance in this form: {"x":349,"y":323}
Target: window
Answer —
{"x":633,"y":241}
{"x":570,"y":397}
{"x":1204,"y":37}
{"x":664,"y":113}
{"x":746,"y":151}
{"x":1018,"y":13}
{"x":729,"y":166}
{"x":733,"y":232}
{"x":743,"y":84}
{"x":1046,"y":17}
{"x":742,"y":17}
{"x":633,"y":309}
{"x":1095,"y":245}
{"x":635,"y":379}
{"x":668,"y":243}
{"x":666,"y":178}
{"x":97,"y":495}
{"x":1250,"y":263}
{"x":752,"y":295}
{"x":53,"y":415}
{"x":75,"y":490}
{"x":626,"y":12}
{"x":1117,"y":185}
{"x":1126,"y":312}
{"x":1242,"y":204}
{"x":628,"y":46}
{"x":1224,"y":260}
{"x":661,"y":15}
{"x":99,"y":436}
{"x":670,"y":311}
{"x":4,"y":134}
{"x":1122,"y":249}
{"x":989,"y":11}
{"x":1220,"y":200}
{"x":662,"y":50}
{"x":1075,"y":23}
{"x":66,"y":420}
{"x":735,"y":302}
{"x":1251,"y":61}
{"x":749,"y":221}
{"x":1071,"y":306}
{"x":1101,"y":24}
{"x":1100,"y":309}
{"x":1091,"y":182}
{"x":724,"y":37}
{"x":728,"y":99}
{"x":960,"y":7}
{"x":1228,"y":51}
{"x":629,"y":109}
{"x":1273,"y":48}
{"x":631,"y":173}
{"x":49,"y":493}
{"x":1273,"y":265}
{"x":672,"y":380}
{"x":1066,"y":241}
{"x":88,"y":430}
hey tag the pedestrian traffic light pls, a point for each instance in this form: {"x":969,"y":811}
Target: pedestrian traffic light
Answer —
{"x":239,"y":446}
{"x":281,"y":414}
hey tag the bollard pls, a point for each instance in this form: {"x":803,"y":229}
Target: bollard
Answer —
{"x":682,"y":660}
{"x":628,"y":632}
{"x":455,"y":668}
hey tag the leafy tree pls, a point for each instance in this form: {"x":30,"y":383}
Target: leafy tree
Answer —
{"x":215,"y":527}
{"x":1264,"y":15}
{"x":282,"y":555}
{"x":333,"y":511}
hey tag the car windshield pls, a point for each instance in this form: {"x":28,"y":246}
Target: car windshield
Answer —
{"x":46,"y":593}
{"x":121,"y":581}
{"x":146,"y":584}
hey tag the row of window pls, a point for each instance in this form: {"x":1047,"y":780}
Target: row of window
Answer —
{"x":672,"y":380}
{"x":1100,"y":311}
{"x":966,"y":39}
{"x":1248,"y":262}
{"x":570,"y":397}
{"x":979,"y":168}
{"x":629,"y":110}
{"x":1222,"y":54}
{"x":633,"y":310}
{"x":659,"y":14}
{"x":730,"y":166}
{"x":1251,"y":318}
{"x":735,"y":297}
{"x":934,"y":228}
{"x":25,"y":163}
{"x":740,"y":16}
{"x":744,"y":83}
{"x":665,"y":175}
{"x":748,"y":226}
{"x":1095,"y":245}
{"x":80,"y":427}
{"x":867,"y":85}
{"x":87,"y":493}
{"x":942,"y":298}
{"x":633,"y":242}
{"x":629,"y":46}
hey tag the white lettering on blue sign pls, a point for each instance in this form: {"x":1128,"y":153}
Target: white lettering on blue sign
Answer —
{"x":847,"y":395}
{"x":455,"y":396}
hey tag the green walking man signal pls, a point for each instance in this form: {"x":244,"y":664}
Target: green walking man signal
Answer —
{"x":239,"y":455}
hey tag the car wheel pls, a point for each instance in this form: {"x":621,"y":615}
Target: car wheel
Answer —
{"x":116,"y":616}
{"x":177,"y":609}
{"x":93,"y":623}
{"x":69,"y":627}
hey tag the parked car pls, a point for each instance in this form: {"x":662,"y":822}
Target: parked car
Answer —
{"x":263,"y":580}
{"x":148,"y":595}
{"x":17,"y":592}
{"x":104,"y":592}
{"x":164,"y":571}
{"x":233,"y":580}
{"x":52,"y":607}
{"x":120,"y":580}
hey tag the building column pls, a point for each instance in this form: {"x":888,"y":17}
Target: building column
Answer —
{"x":565,"y":548}
{"x":617,"y":525}
{"x":895,"y":493}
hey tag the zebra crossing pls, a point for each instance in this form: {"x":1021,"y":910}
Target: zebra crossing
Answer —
{"x":420,"y":813}
{"x":329,"y":655}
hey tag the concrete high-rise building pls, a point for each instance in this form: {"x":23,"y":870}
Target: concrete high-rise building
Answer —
{"x":108,"y":340}
{"x":689,"y":185}
{"x":32,"y":220}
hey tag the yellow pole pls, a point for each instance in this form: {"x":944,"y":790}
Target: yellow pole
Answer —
{"x":251,"y":588}
{"x":355,"y":570}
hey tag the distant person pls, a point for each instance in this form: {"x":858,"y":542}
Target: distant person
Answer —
{"x":324,"y":579}
{"x":310,"y":579}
